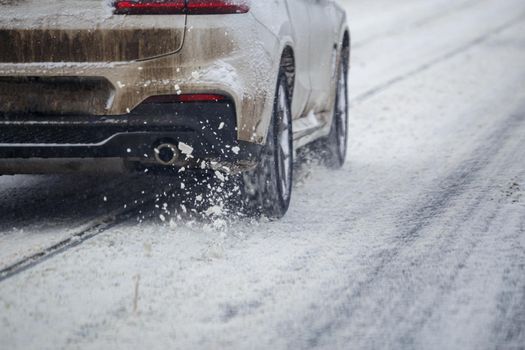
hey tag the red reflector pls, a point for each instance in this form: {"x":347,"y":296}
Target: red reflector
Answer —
{"x":173,"y":7}
{"x":150,"y":7}
{"x":208,"y":7}
{"x":185,"y":98}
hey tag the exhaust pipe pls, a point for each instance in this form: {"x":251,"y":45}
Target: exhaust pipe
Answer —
{"x":166,"y":154}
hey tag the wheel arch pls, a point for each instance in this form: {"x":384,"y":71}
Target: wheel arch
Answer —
{"x":346,"y":47}
{"x":287,"y":64}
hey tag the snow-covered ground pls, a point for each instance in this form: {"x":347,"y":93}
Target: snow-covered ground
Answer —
{"x":418,"y":242}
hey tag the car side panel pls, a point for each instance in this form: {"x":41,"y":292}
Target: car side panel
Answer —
{"x":323,"y":52}
{"x":340,"y":26}
{"x":300,"y":31}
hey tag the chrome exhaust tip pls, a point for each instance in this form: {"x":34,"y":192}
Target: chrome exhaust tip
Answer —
{"x":166,"y":154}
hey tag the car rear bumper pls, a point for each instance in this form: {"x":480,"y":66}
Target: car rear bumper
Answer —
{"x":209,"y":129}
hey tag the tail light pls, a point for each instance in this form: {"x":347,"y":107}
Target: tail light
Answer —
{"x":171,"y":7}
{"x":208,"y":7}
{"x":185,"y":98}
{"x":149,"y":7}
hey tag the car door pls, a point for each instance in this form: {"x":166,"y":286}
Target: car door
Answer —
{"x":322,"y":52}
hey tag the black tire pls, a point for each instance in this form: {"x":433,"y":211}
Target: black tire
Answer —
{"x":334,"y":146}
{"x":267,"y":189}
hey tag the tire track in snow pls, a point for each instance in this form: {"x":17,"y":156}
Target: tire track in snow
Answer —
{"x":142,"y":210}
{"x":486,"y":224}
{"x":448,"y":12}
{"x":420,"y":23}
{"x":512,"y":310}
{"x":39,"y":212}
{"x":450,"y":188}
{"x":72,"y":241}
{"x":426,"y":66}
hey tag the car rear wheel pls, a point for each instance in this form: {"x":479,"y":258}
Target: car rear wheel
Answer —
{"x":267,"y":189}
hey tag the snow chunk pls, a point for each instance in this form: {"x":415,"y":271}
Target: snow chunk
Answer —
{"x":219,"y":175}
{"x":213,"y":210}
{"x":185,"y":149}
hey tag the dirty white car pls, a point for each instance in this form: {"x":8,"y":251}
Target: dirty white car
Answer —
{"x":231,"y":85}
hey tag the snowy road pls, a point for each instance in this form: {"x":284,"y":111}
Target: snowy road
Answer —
{"x":419,"y":242}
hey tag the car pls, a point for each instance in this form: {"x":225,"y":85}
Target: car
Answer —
{"x":234,"y":86}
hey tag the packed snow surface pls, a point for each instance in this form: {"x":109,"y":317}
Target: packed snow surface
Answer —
{"x":417,"y":243}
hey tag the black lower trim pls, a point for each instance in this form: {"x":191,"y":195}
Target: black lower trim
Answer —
{"x":209,"y":128}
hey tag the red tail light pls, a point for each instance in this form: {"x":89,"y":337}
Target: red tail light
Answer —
{"x":150,"y":7}
{"x":208,"y":7}
{"x":171,"y":7}
{"x":185,"y":98}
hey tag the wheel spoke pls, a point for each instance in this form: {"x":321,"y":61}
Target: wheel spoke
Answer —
{"x":341,"y":114}
{"x":284,"y":147}
{"x":284,"y":175}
